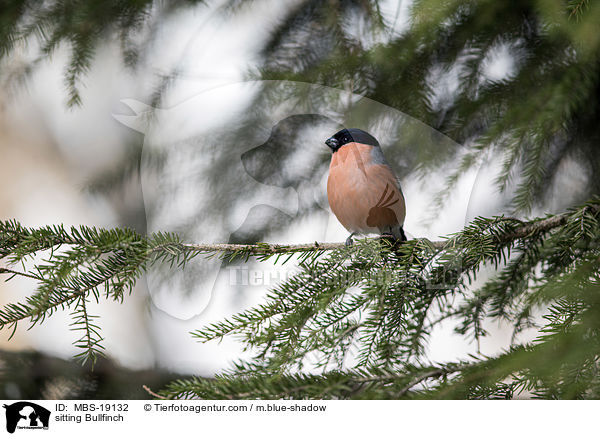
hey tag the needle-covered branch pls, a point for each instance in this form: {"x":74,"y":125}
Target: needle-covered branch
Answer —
{"x":262,"y":249}
{"x":371,"y":302}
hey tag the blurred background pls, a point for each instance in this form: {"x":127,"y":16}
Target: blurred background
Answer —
{"x":209,"y":119}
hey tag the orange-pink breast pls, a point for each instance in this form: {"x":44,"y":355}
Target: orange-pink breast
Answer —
{"x":364,"y":196}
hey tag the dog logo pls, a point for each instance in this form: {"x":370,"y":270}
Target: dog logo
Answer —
{"x":26,"y":415}
{"x":213,"y":172}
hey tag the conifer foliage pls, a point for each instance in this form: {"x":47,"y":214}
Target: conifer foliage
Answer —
{"x":354,"y":321}
{"x":357,"y":317}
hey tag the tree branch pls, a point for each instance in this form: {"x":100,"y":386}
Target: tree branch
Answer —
{"x":17,"y":273}
{"x":523,"y":231}
{"x":435,"y":373}
{"x":154,"y":394}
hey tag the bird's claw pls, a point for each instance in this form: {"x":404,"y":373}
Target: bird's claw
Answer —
{"x":349,"y":241}
{"x":389,"y":238}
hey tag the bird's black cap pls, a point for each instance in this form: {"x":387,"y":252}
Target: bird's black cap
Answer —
{"x":346,"y":136}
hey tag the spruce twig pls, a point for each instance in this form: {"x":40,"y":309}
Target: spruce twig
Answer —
{"x":370,"y":300}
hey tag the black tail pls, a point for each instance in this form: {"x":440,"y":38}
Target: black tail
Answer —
{"x":402,"y":235}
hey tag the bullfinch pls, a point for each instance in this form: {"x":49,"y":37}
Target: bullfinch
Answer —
{"x":363,"y":192}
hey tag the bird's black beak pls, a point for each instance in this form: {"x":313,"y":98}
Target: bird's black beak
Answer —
{"x":332,"y":143}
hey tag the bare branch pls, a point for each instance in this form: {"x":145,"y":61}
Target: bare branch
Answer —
{"x":266,"y":248}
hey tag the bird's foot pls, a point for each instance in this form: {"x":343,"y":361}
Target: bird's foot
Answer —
{"x":349,"y":241}
{"x":388,"y":236}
